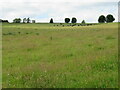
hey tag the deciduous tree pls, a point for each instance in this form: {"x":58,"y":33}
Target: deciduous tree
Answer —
{"x":109,"y":18}
{"x":102,"y":19}
{"x":67,"y":20}
{"x":74,"y":20}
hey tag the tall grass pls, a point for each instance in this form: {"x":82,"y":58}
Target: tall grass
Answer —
{"x":44,"y":55}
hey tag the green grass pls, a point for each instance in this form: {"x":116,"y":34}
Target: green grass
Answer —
{"x":44,"y":55}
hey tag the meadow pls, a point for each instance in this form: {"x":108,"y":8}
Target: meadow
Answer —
{"x":55,"y":56}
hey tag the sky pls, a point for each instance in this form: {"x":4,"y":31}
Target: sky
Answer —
{"x":43,"y":11}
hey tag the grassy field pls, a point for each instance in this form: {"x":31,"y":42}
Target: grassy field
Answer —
{"x":44,"y":55}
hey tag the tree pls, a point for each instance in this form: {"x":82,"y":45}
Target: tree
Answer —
{"x":33,"y":21}
{"x":51,"y":20}
{"x":17,"y":20}
{"x":109,"y":18}
{"x":74,"y":20}
{"x":24,"y":20}
{"x":0,"y":20}
{"x":83,"y":22}
{"x":3,"y":21}
{"x":28,"y":20}
{"x":102,"y":19}
{"x":67,"y":20}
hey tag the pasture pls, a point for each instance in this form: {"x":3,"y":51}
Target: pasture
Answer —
{"x":48,"y":56}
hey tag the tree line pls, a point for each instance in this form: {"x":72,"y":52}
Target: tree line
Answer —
{"x":25,"y":20}
{"x":67,"y":20}
{"x":4,"y":21}
{"x":102,"y":19}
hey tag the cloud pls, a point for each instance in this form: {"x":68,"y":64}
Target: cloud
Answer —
{"x":42,"y":11}
{"x":59,"y":1}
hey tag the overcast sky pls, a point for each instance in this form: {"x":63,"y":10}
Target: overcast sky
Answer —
{"x":42,"y":11}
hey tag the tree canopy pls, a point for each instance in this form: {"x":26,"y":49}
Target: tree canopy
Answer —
{"x":28,"y":20}
{"x":74,"y":20}
{"x":102,"y":19}
{"x":109,"y":18}
{"x":67,"y":20}
{"x":33,"y":21}
{"x":24,"y":20}
{"x":51,"y":20}
{"x":17,"y":20}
